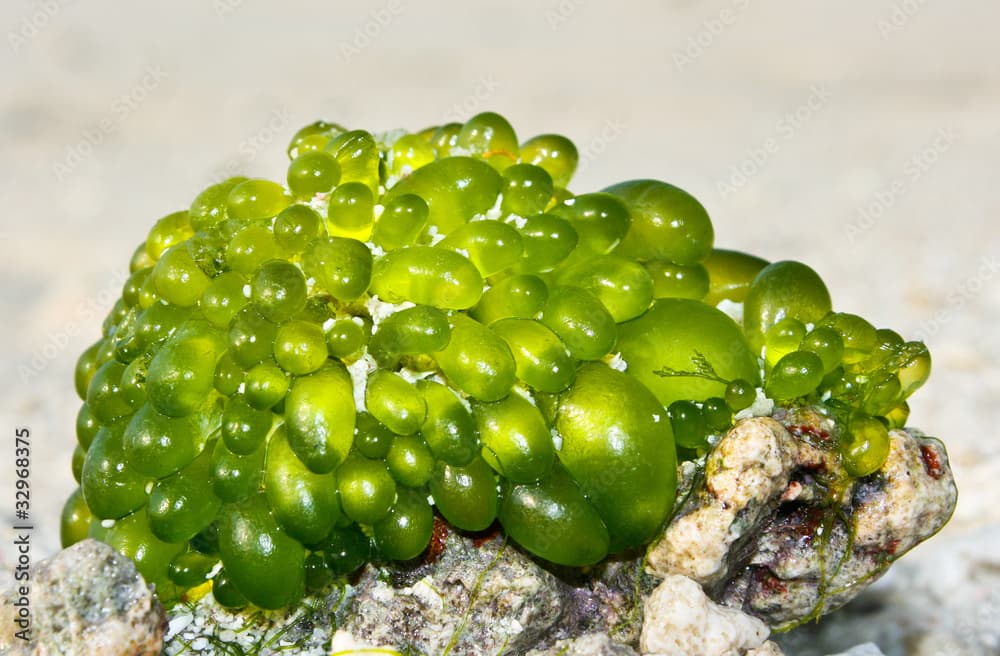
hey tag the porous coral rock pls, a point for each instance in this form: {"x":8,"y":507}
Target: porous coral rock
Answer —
{"x":776,"y":527}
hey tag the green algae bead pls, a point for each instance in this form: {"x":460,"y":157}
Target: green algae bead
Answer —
{"x":455,"y":189}
{"x":223,"y":299}
{"x":730,"y":274}
{"x":235,"y":477}
{"x":898,"y":415}
{"x":244,"y":427}
{"x":427,"y":275}
{"x":351,"y":211}
{"x":581,"y":321}
{"x":367,"y":491}
{"x":859,"y":336}
{"x":110,"y":485}
{"x":548,"y":240}
{"x":623,"y":286}
{"x":302,"y":502}
{"x":678,"y":281}
{"x":465,"y":496}
{"x":347,"y":550}
{"x":225,"y":593}
{"x":718,"y":415}
{"x":159,"y":322}
{"x":618,"y":446}
{"x":515,"y":438}
{"x":168,"y":231}
{"x":518,"y":296}
{"x":917,"y":369}
{"x":477,"y":360}
{"x":527,"y":190}
{"x":178,"y":278}
{"x":827,"y":344}
{"x":796,"y":374}
{"x":250,"y":337}
{"x":372,"y":438}
{"x":449,"y":429}
{"x":492,"y":246}
{"x":264,"y":562}
{"x":406,"y":531}
{"x":883,"y":395}
{"x":182,"y":375}
{"x":157,"y":445}
{"x":358,"y":155}
{"x":543,"y":361}
{"x":667,"y":223}
{"x":740,"y":394}
{"x":783,"y":289}
{"x":311,"y":173}
{"x":319,"y":416}
{"x":409,"y":153}
{"x":295,"y":227}
{"x":133,"y":538}
{"x":782,"y":338}
{"x":554,"y":153}
{"x":553,"y":520}
{"x":300,"y":347}
{"x":443,"y":138}
{"x":410,"y":460}
{"x":86,"y":366}
{"x":140,"y":259}
{"x":601,"y":221}
{"x":420,"y":329}
{"x":490,"y":136}
{"x":278,"y":290}
{"x":345,"y":338}
{"x":318,"y":575}
{"x":401,"y":222}
{"x":190,"y":569}
{"x":864,"y":446}
{"x":341,"y":266}
{"x":182,"y":505}
{"x":312,"y":137}
{"x":249,"y":248}
{"x":256,"y":199}
{"x":75,"y":519}
{"x":76,"y":463}
{"x":688,"y":424}
{"x":209,"y":207}
{"x":104,"y":393}
{"x":395,"y":402}
{"x":130,"y":290}
{"x":87,"y":426}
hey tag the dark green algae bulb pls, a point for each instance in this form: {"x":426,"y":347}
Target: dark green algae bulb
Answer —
{"x":300,"y":375}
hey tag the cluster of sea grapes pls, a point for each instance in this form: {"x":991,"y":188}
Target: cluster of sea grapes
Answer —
{"x":298,"y":375}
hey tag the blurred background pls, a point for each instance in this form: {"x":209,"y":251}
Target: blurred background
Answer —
{"x":859,"y":137}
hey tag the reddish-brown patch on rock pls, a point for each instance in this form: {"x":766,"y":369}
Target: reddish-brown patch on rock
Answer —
{"x":932,"y":462}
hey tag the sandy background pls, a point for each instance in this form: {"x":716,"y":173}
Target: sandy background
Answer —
{"x":860,"y":137}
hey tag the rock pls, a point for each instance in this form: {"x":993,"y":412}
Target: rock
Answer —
{"x":87,"y":599}
{"x":867,"y":649}
{"x":775,"y":526}
{"x":488,"y":597}
{"x":682,"y":621}
{"x":769,"y":648}
{"x":591,"y":644}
